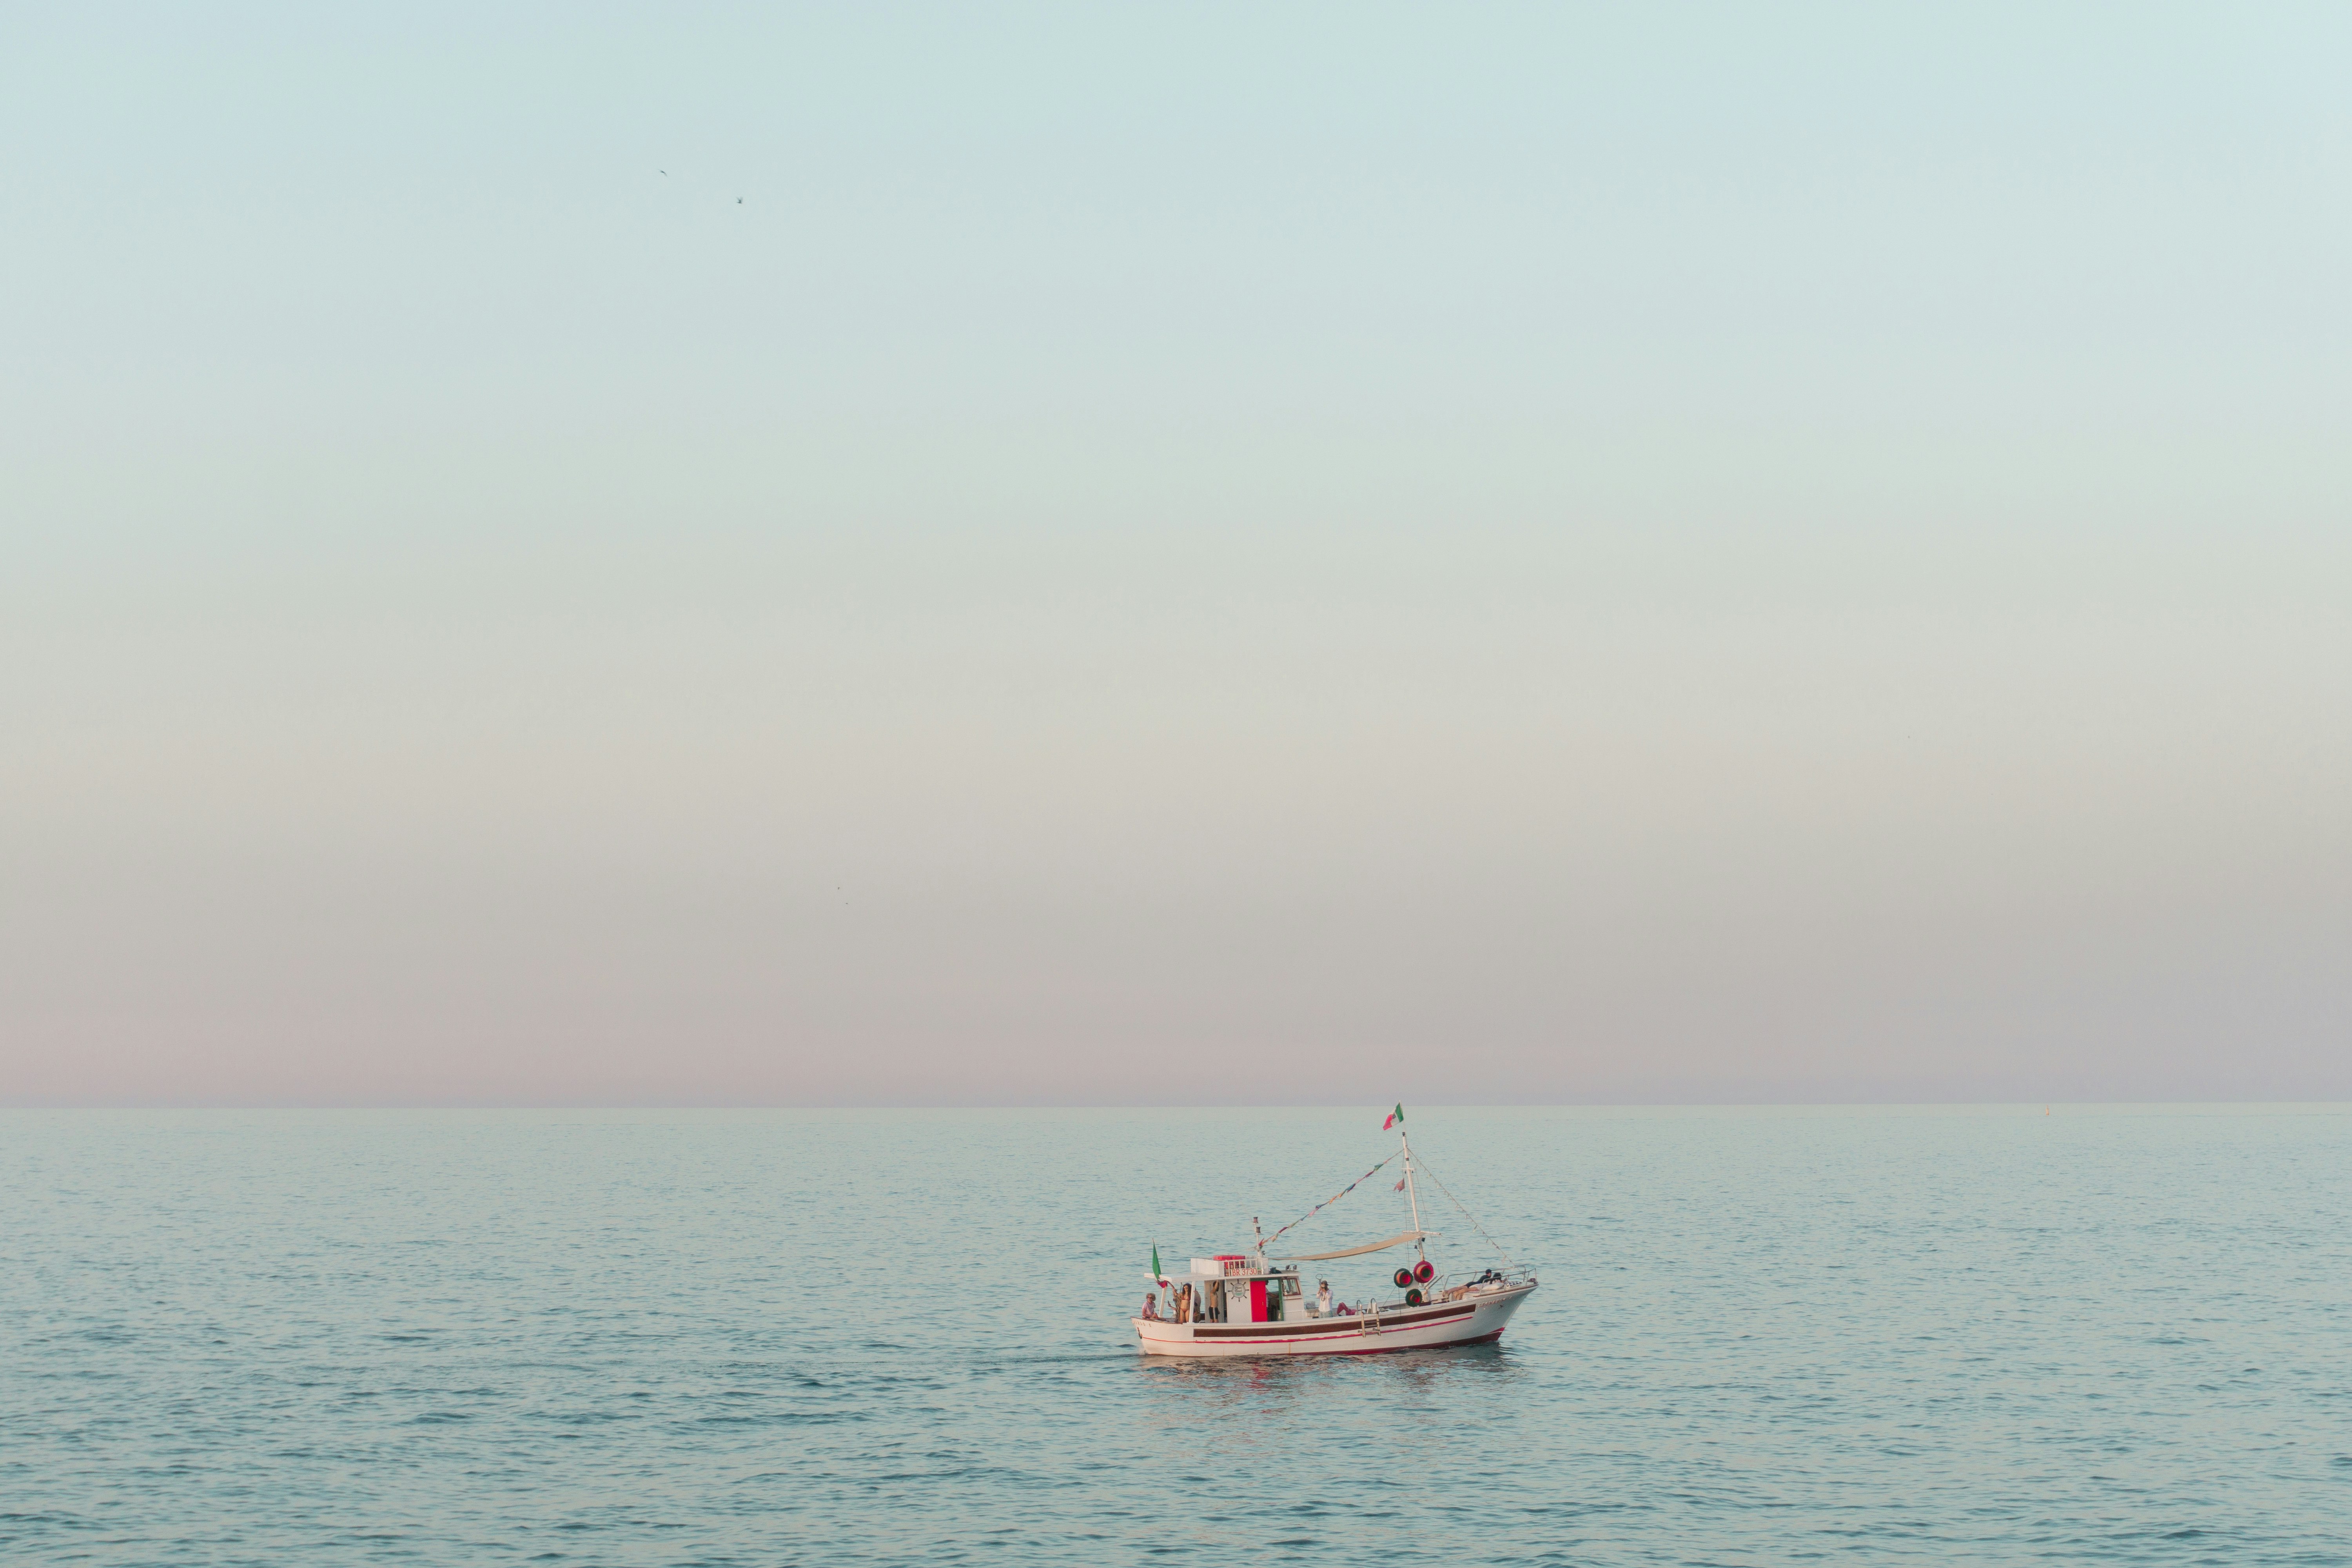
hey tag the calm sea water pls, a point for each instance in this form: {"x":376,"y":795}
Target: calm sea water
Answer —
{"x":668,"y":1338}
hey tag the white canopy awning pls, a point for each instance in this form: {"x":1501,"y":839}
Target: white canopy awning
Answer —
{"x":1355,"y":1251}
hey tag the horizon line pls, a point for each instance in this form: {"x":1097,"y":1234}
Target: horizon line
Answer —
{"x":585,"y":1106}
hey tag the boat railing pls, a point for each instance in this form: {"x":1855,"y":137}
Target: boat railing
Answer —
{"x":1515,"y":1277}
{"x":1440,"y":1292}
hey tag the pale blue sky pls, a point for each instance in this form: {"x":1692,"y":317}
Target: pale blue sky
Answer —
{"x":1189,"y":555}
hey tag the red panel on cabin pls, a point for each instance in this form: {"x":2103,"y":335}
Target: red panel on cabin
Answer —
{"x":1257,"y":1301}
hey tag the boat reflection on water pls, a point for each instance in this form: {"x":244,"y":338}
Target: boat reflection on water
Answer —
{"x":1288,"y":1418}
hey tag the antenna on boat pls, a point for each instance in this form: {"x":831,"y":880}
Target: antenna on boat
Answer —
{"x":1413,"y":1193}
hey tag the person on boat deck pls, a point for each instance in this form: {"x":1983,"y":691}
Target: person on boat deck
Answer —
{"x":1323,"y":1298}
{"x":1152,"y":1305}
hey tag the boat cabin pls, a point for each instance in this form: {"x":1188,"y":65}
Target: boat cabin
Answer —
{"x":1232,"y":1289}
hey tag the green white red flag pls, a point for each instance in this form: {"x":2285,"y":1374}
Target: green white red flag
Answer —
{"x":1394,"y":1117}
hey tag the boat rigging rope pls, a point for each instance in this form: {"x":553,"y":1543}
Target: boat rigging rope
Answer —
{"x":1422,"y":1165}
{"x":1326,"y":1203}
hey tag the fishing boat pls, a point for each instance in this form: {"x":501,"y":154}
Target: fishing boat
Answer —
{"x":1255,"y":1303}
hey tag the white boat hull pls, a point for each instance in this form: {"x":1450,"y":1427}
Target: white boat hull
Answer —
{"x":1474,"y":1318}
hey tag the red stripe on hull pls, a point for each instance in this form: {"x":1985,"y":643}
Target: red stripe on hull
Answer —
{"x":1281,"y":1335}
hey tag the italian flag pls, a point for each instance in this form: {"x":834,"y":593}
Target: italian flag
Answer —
{"x":1394,"y":1117}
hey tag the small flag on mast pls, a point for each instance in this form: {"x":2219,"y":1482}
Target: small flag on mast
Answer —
{"x":1155,"y":1262}
{"x":1400,"y":1186}
{"x":1394,"y":1117}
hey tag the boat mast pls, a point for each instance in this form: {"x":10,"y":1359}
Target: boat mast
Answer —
{"x":1412,"y":1194}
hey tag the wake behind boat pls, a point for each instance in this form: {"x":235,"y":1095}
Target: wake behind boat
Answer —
{"x":1255,"y":1304}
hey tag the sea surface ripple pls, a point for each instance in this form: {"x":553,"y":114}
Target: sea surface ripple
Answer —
{"x":1863,"y":1334}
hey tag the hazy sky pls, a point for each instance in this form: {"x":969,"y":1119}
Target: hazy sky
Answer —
{"x":1176,"y":555}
